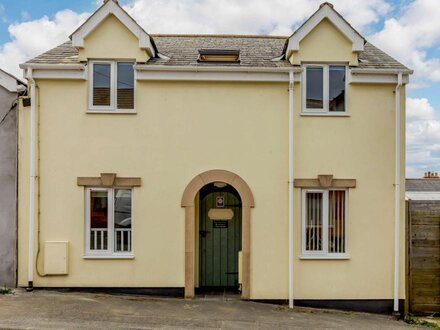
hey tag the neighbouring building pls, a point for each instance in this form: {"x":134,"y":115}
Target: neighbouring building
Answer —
{"x":10,"y":89}
{"x":424,"y":189}
{"x":269,"y":165}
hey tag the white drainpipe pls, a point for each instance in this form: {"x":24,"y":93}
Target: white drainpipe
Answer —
{"x":291,"y":158}
{"x":397,"y":198}
{"x":31,"y":181}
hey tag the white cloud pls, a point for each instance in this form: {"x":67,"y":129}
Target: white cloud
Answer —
{"x":31,"y":38}
{"x":243,"y":17}
{"x":281,"y":17}
{"x":410,"y":37}
{"x":422,"y":137}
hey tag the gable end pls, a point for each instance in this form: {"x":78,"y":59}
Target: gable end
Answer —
{"x":112,"y":7}
{"x":325,"y":11}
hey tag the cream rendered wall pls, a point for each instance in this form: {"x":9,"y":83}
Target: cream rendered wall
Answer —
{"x":112,"y":38}
{"x":179,"y":131}
{"x":325,"y":43}
{"x":184,"y":128}
{"x":360,"y":146}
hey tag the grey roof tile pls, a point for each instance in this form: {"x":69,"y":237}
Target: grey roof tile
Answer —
{"x":63,"y":54}
{"x":373,"y":58}
{"x":255,"y":51}
{"x":423,"y":185}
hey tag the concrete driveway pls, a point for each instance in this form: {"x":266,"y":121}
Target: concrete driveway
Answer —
{"x":77,"y":310}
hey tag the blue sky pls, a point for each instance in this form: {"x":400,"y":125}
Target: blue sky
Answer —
{"x":22,"y":10}
{"x":409,"y":30}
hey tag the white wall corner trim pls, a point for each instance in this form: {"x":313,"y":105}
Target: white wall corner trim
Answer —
{"x":32,"y":178}
{"x":291,"y":184}
{"x":325,"y":12}
{"x":397,"y":196}
{"x":112,"y":8}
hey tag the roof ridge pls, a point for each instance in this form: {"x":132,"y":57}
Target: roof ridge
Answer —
{"x":262,"y":36}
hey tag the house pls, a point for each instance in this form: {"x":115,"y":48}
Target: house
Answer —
{"x":424,"y":189}
{"x":190,"y":163}
{"x":10,"y":89}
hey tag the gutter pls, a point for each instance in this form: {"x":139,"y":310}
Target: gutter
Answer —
{"x":380,"y":71}
{"x":43,"y":66}
{"x":146,"y":67}
{"x":32,"y":178}
{"x":397,"y":198}
{"x":212,"y":68}
{"x":291,"y":159}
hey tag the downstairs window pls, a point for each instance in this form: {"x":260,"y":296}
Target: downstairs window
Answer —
{"x":109,"y":221}
{"x":324,"y":223}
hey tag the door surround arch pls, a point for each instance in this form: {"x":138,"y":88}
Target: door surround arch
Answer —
{"x":188,"y":202}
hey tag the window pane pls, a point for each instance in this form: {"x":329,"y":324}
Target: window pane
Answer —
{"x":101,"y":84}
{"x":123,"y":220}
{"x":315,"y":88}
{"x":314,"y":216}
{"x":98,"y":220}
{"x":336,"y":222}
{"x":337,"y":88}
{"x":125,"y":86}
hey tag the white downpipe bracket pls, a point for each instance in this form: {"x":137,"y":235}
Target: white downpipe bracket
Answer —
{"x":291,"y":158}
{"x":397,"y":198}
{"x":31,"y":181}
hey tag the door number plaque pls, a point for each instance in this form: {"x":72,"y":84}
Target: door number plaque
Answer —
{"x":220,"y":201}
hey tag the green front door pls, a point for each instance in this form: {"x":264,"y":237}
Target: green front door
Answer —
{"x":220,"y":236}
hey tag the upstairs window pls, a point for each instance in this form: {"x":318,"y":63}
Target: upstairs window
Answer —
{"x":324,"y":90}
{"x":111,"y":86}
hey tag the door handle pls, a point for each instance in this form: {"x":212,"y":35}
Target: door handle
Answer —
{"x":203,"y":233}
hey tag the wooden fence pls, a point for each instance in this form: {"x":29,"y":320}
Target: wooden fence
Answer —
{"x":423,"y":257}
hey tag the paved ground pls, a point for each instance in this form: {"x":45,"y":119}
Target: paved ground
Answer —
{"x":55,"y":310}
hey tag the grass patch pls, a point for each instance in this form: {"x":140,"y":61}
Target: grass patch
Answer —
{"x":6,"y":290}
{"x":423,"y":322}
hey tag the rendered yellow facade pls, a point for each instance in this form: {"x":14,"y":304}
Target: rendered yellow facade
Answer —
{"x":319,"y":47}
{"x":184,"y":128}
{"x":112,"y":40}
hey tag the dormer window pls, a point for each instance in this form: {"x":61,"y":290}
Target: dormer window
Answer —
{"x":111,"y":86}
{"x":324,"y":90}
{"x":219,"y":55}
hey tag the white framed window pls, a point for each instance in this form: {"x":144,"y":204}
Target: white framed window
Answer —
{"x":324,"y":223}
{"x":324,"y":89}
{"x":109,"y":222}
{"x":111,"y":86}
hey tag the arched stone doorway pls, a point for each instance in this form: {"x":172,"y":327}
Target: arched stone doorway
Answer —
{"x":188,"y":202}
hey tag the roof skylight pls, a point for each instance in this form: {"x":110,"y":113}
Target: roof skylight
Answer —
{"x":219,"y":55}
